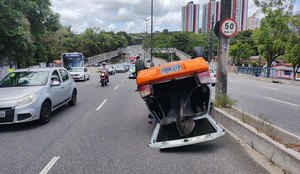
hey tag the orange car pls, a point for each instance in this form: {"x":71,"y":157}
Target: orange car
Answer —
{"x":177,"y":95}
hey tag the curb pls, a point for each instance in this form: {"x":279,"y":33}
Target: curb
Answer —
{"x":285,"y":158}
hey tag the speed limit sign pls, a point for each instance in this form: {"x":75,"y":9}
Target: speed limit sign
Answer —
{"x":228,"y":27}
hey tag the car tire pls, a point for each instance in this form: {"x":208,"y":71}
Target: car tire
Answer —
{"x":73,"y":100}
{"x":45,"y":113}
{"x":88,"y":78}
{"x":84,"y":78}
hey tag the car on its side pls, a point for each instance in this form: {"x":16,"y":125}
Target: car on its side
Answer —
{"x":32,"y":94}
{"x":213,"y":76}
{"x":80,"y":73}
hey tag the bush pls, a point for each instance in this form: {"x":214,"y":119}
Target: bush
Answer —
{"x":224,"y":101}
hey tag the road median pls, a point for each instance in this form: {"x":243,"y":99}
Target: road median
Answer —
{"x":273,"y":144}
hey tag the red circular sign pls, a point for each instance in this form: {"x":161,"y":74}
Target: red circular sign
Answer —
{"x":228,"y":27}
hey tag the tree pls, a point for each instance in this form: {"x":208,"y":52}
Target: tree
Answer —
{"x":292,"y":54}
{"x":240,"y":51}
{"x":272,"y":35}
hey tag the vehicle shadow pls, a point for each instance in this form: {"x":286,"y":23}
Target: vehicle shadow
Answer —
{"x":33,"y":124}
{"x":206,"y":147}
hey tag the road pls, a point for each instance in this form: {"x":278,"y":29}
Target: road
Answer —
{"x":107,"y":132}
{"x":277,"y":103}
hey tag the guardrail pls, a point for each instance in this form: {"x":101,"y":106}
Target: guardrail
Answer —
{"x":102,"y":57}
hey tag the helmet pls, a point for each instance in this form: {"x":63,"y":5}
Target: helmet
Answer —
{"x":103,"y":63}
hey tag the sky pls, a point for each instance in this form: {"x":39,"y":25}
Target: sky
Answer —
{"x":127,"y":15}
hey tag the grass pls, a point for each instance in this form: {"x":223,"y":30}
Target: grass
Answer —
{"x":224,"y":101}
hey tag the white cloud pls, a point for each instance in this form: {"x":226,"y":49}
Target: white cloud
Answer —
{"x":112,"y":27}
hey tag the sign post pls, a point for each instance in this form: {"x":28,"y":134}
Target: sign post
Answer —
{"x":226,"y":28}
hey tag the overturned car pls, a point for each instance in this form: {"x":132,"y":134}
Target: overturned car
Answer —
{"x":177,"y":95}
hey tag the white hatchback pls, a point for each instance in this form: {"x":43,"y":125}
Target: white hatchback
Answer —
{"x":213,"y":76}
{"x":80,"y":73}
{"x":32,"y":94}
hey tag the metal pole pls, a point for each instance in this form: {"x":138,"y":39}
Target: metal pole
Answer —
{"x":210,"y":57}
{"x":151,"y":52}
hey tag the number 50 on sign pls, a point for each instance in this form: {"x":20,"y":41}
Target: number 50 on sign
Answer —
{"x":228,"y":27}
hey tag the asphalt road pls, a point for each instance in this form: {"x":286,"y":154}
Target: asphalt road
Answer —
{"x":107,"y":132}
{"x":277,"y":103}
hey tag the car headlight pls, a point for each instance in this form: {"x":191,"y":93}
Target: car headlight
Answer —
{"x":26,"y":100}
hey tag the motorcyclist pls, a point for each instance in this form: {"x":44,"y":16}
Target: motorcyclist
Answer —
{"x":104,"y":69}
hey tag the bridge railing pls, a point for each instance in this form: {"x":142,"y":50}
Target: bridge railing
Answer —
{"x":101,"y":57}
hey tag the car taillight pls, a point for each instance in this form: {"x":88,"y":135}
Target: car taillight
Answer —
{"x":145,"y":90}
{"x":204,"y":77}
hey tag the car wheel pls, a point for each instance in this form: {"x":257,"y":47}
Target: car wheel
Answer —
{"x":88,"y":78}
{"x":84,"y":78}
{"x":73,"y":100}
{"x":45,"y":113}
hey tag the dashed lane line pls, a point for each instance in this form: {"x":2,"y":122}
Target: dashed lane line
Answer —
{"x":101,"y":105}
{"x":49,"y":165}
{"x":281,"y":101}
{"x":269,"y":87}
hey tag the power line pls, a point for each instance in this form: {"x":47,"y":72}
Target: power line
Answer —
{"x":160,"y":8}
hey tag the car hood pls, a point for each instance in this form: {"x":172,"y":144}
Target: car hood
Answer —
{"x":15,"y":93}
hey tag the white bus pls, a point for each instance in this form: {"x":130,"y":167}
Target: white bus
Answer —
{"x":73,"y":59}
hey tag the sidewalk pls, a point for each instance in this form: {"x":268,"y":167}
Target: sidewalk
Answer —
{"x":271,"y":80}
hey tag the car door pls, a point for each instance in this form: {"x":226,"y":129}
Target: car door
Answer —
{"x":66,"y":84}
{"x":56,"y":92}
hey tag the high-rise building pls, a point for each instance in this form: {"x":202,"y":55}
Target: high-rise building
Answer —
{"x":211,"y":12}
{"x":190,"y":17}
{"x":239,"y":12}
{"x":253,"y":22}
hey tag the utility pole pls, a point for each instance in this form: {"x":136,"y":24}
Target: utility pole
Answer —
{"x":145,"y":38}
{"x":151,"y":52}
{"x":222,"y":63}
{"x":210,"y":56}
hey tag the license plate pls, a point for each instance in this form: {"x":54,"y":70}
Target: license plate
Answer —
{"x":2,"y":114}
{"x":170,"y":69}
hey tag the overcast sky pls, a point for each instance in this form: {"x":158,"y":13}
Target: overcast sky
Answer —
{"x":125,"y":15}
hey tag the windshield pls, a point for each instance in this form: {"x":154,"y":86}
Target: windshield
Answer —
{"x":72,"y":60}
{"x":25,"y":78}
{"x":76,"y":70}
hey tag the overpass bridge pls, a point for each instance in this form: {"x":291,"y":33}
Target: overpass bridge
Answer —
{"x":134,"y":50}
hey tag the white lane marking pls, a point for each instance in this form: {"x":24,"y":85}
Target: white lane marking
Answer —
{"x":236,"y":81}
{"x":49,"y":165}
{"x":101,"y":105}
{"x":281,"y":101}
{"x":116,"y":87}
{"x":268,"y":87}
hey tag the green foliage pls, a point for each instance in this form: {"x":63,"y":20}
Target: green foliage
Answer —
{"x":240,"y":51}
{"x":184,"y":41}
{"x":272,"y":35}
{"x":292,"y":54}
{"x":224,"y":101}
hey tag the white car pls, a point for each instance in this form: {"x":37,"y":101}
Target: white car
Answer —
{"x":80,"y":73}
{"x":213,"y":76}
{"x":32,"y":94}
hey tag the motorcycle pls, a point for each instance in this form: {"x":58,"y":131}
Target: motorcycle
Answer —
{"x":177,"y":95}
{"x":104,"y":78}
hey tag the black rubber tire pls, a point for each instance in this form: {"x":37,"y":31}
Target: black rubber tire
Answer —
{"x":198,"y":52}
{"x":73,"y":100}
{"x":102,"y":83}
{"x":45,"y":113}
{"x":88,"y":78}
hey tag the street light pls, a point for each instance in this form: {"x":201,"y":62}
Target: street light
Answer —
{"x":145,"y":48}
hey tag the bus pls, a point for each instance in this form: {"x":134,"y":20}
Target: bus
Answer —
{"x":70,"y":60}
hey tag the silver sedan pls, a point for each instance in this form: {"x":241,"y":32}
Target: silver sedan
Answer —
{"x":32,"y":94}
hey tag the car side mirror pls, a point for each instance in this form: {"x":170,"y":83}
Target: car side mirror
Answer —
{"x":55,"y":83}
